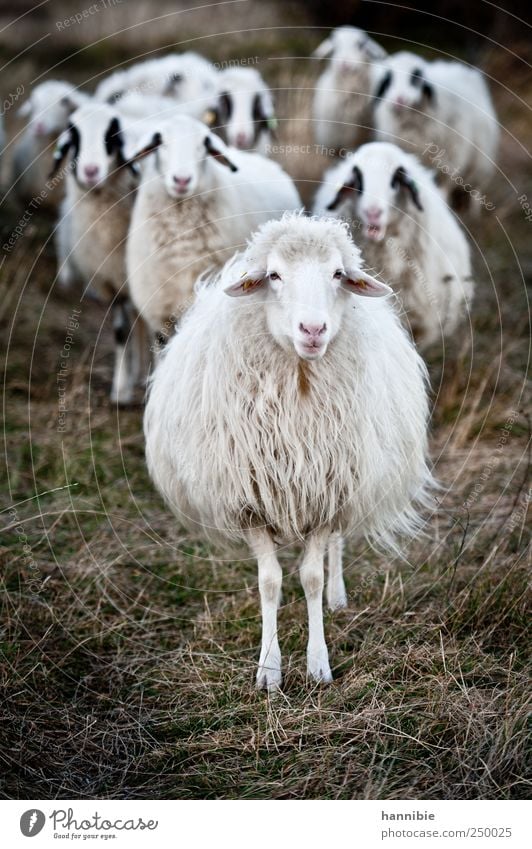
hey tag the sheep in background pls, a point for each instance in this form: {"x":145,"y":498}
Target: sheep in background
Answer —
{"x":48,"y":109}
{"x":92,"y":229}
{"x":243,"y":113}
{"x":292,"y":411}
{"x":409,"y":234}
{"x":441,"y":111}
{"x":344,"y":92}
{"x":197,"y":202}
{"x":187,"y":77}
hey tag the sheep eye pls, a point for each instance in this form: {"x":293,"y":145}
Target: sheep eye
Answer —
{"x":338,"y":274}
{"x":274,"y":275}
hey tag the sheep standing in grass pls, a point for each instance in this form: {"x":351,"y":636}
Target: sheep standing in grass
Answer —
{"x":198,"y":201}
{"x":188,"y":78}
{"x":406,"y":231}
{"x":441,"y":111}
{"x":344,"y":92}
{"x":289,"y":412}
{"x":47,"y":109}
{"x":93,"y":225}
{"x":243,"y":113}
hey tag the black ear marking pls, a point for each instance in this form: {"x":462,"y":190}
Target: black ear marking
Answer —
{"x":384,"y":85}
{"x":428,"y":91}
{"x":402,"y":178}
{"x":225,"y":106}
{"x":113,"y":138}
{"x":218,"y":155}
{"x":72,"y":141}
{"x":155,"y":142}
{"x":355,"y":184}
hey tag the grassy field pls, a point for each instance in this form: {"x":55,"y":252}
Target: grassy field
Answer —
{"x":128,"y":648}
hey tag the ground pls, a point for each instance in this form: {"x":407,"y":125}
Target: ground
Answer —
{"x":128,"y":648}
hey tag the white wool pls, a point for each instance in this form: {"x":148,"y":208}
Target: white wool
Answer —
{"x":232,"y":440}
{"x":47,"y":109}
{"x":187,"y":77}
{"x":173,"y":239}
{"x":243,"y":111}
{"x":423,"y":254}
{"x":344,"y":91}
{"x":459,"y":119}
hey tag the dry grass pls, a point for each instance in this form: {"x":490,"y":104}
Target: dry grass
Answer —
{"x":129,"y":671}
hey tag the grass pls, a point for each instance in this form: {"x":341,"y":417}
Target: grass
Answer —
{"x":128,"y":648}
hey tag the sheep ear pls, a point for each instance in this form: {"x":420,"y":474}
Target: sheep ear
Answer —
{"x":249,"y":282}
{"x":215,"y":151}
{"x":360,"y":283}
{"x":374,"y":50}
{"x":64,"y":143}
{"x":428,"y":91}
{"x":69,"y":103}
{"x":384,"y":85}
{"x":324,"y":49}
{"x":25,"y":110}
{"x":344,"y":191}
{"x":403,"y":178}
{"x":147,"y":148}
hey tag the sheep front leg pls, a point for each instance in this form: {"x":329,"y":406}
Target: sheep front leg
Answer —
{"x":270,"y":582}
{"x":312,"y":580}
{"x":121,"y":390}
{"x":336,"y":594}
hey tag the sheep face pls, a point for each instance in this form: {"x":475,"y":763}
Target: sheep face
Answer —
{"x":404,"y":83}
{"x":305,"y":285}
{"x":244,"y":107}
{"x":182,"y":148}
{"x":349,"y":48}
{"x":49,"y":106}
{"x":94,"y":140}
{"x":377,"y":183}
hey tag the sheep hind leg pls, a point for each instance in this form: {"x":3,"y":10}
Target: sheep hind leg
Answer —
{"x":312,"y":580}
{"x":270,"y":582}
{"x":122,"y":388}
{"x":336,"y":594}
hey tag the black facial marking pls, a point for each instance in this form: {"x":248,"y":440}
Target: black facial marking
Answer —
{"x":226,"y":106}
{"x":401,"y":178}
{"x":384,"y":85}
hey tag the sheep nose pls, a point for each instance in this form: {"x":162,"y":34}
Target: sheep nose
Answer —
{"x":241,"y":140}
{"x":91,"y":171}
{"x":373,"y":214}
{"x":182,"y":182}
{"x":312,"y":330}
{"x":40,"y":128}
{"x":400,"y":101}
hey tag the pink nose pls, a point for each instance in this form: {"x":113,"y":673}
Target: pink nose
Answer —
{"x":312,"y":331}
{"x":182,"y":182}
{"x":241,"y":140}
{"x":400,"y":101}
{"x":91,"y":171}
{"x":373,"y":214}
{"x":40,"y":128}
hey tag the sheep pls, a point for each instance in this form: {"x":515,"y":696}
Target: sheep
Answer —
{"x":409,"y":233}
{"x":92,"y":229}
{"x":343,"y":95}
{"x":441,"y":111}
{"x":198,"y":200}
{"x":47,"y":109}
{"x":187,"y":77}
{"x":298,"y":415}
{"x":243,"y":113}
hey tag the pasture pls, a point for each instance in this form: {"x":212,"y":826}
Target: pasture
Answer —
{"x":128,"y":647}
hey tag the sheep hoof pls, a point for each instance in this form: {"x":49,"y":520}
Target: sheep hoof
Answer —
{"x":268,"y":678}
{"x":318,"y":669}
{"x":337,"y":601}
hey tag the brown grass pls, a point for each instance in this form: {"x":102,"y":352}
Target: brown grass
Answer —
{"x":128,"y":670}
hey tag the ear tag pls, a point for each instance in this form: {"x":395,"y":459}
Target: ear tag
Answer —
{"x":272,"y":122}
{"x":209,"y":117}
{"x":361,"y":283}
{"x":248,"y":284}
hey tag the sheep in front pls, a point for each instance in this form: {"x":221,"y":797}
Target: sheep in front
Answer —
{"x":343,"y":96}
{"x":407,"y":231}
{"x":48,"y":109}
{"x":188,"y":78}
{"x":198,"y":201}
{"x":243,"y":113}
{"x":92,"y":229}
{"x":442,"y":112}
{"x":294,"y":410}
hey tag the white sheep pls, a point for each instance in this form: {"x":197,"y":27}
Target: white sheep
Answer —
{"x":197,"y":202}
{"x":294,"y":413}
{"x":48,"y":109}
{"x":344,"y":92}
{"x":186,"y":77}
{"x":441,"y":111}
{"x":93,"y":225}
{"x":243,"y":113}
{"x":405,"y":230}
